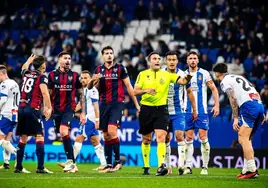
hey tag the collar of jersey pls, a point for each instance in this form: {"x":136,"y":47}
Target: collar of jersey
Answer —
{"x":61,"y":71}
{"x":110,"y":67}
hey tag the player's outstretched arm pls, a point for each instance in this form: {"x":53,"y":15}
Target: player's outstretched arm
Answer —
{"x":130,"y":91}
{"x":192,"y":101}
{"x":26,"y":65}
{"x":94,"y":81}
{"x":83,"y":106}
{"x":234,"y":106}
{"x":215,"y":93}
{"x":184,"y":80}
{"x":47,"y":102}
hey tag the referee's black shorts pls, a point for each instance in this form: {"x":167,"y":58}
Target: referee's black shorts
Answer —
{"x":153,"y":117}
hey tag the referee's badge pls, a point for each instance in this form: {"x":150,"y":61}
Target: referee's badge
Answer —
{"x":162,"y":81}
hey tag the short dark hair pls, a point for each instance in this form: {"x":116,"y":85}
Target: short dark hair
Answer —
{"x":106,"y":48}
{"x":152,"y":53}
{"x":220,"y":67}
{"x":172,"y":53}
{"x":3,"y":69}
{"x":86,"y":72}
{"x":192,"y":53}
{"x":38,"y":61}
{"x":64,"y":53}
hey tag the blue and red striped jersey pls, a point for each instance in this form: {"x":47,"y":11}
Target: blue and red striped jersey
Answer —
{"x":31,"y":95}
{"x":111,"y":86}
{"x":64,"y":86}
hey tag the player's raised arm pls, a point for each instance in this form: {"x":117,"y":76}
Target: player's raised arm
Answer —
{"x":192,"y":101}
{"x":26,"y":65}
{"x":215,"y":93}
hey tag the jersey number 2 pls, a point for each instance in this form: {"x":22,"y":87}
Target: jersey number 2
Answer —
{"x":27,"y":85}
{"x":244,"y":84}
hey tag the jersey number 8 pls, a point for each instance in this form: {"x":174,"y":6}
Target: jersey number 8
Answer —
{"x":27,"y":85}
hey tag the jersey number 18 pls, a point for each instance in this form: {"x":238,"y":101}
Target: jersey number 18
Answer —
{"x":27,"y":85}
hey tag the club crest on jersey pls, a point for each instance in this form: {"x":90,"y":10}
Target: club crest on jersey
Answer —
{"x":70,"y":78}
{"x":56,"y":77}
{"x":148,"y":77}
{"x":102,"y":70}
{"x":115,"y":69}
{"x":161,"y":81}
{"x":199,"y":77}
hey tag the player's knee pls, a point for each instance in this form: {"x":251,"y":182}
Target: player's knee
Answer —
{"x":167,"y":138}
{"x":160,"y":137}
{"x":39,"y":139}
{"x":146,"y":140}
{"x":179,"y":138}
{"x":106,"y":136}
{"x":23,"y":139}
{"x":79,"y":138}
{"x":64,"y":131}
{"x":189,"y":138}
{"x":203,"y":137}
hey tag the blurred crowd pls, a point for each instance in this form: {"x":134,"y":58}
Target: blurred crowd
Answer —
{"x":235,"y":32}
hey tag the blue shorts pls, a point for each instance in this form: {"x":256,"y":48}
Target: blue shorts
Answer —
{"x":62,"y":118}
{"x":177,"y":122}
{"x":202,"y":122}
{"x":251,"y":114}
{"x":110,"y":114}
{"x":6,"y":125}
{"x":88,"y":129}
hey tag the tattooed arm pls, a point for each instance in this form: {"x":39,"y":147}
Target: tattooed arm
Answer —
{"x":83,"y":106}
{"x":234,"y":106}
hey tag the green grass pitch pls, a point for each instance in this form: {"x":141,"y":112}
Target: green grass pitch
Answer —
{"x":129,"y":177}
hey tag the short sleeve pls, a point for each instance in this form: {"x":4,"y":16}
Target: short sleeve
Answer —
{"x":4,"y":90}
{"x":173,"y":77}
{"x":23,"y":72}
{"x":225,"y":85}
{"x":207,"y":76}
{"x":140,"y":80}
{"x":43,"y":79}
{"x":94,"y":95}
{"x":124,"y":73}
{"x":97,"y":70}
{"x":50,"y":80}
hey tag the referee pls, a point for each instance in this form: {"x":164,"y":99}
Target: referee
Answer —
{"x":153,"y":84}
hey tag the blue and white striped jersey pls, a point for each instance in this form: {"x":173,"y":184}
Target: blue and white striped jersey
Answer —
{"x":91,"y":96}
{"x":198,"y":85}
{"x":176,"y":96}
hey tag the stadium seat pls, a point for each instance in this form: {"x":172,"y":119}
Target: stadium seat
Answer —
{"x":66,"y":26}
{"x":76,"y":25}
{"x":144,"y":23}
{"x":166,"y":37}
{"x":134,"y":60}
{"x":77,"y":68}
{"x":134,"y":23}
{"x":99,"y":38}
{"x":172,"y":45}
